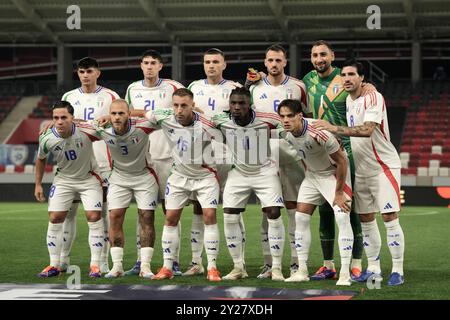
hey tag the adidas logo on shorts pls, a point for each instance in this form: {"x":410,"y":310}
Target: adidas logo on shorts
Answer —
{"x":98,"y":205}
{"x":214,"y":202}
{"x":387,"y":206}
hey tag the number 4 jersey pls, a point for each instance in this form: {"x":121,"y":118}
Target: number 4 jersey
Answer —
{"x":213,"y":98}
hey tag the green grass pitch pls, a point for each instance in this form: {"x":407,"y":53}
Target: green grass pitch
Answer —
{"x":23,"y":252}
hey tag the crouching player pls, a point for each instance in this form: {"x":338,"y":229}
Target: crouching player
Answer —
{"x":326,"y":180}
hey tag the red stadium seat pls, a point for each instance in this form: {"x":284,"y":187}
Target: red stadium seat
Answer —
{"x":19,"y":168}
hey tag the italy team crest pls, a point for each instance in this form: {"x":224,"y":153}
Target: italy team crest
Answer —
{"x":79,"y":143}
{"x":100,"y":102}
{"x":226,"y":94}
{"x":336,"y":88}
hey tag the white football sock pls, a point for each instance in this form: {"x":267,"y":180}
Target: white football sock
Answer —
{"x":302,"y":237}
{"x":372,"y":245}
{"x":96,"y":241}
{"x":396,"y":244}
{"x":105,"y":219}
{"x":233,"y":236}
{"x":69,"y":232}
{"x":265,"y":240}
{"x":170,"y":243}
{"x":197,"y":236}
{"x":291,"y":232}
{"x":146,"y":256}
{"x":212,"y":244}
{"x":345,"y":239}
{"x":54,"y":242}
{"x":276,"y":241}
{"x":242,"y":227}
{"x":138,"y":239}
{"x":117,"y":257}
{"x":177,"y":250}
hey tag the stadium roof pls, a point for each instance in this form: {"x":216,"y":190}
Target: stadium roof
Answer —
{"x":181,"y":21}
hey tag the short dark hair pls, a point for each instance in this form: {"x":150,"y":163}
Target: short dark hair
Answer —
{"x":62,"y":105}
{"x":87,"y":62}
{"x":354,"y":63}
{"x":277,"y":48}
{"x":241,"y":91}
{"x":322,"y":43}
{"x":293,"y":105}
{"x":183,"y":92}
{"x":154,"y":54}
{"x":214,"y":51}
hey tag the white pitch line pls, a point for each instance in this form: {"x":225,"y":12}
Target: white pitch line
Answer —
{"x":22,"y":210}
{"x":428,"y":213}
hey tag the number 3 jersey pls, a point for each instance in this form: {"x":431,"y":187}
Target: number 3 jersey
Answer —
{"x":90,"y":106}
{"x":141,"y":97}
{"x":128,"y":150}
{"x":73,"y":155}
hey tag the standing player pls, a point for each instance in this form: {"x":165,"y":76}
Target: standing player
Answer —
{"x":211,"y":95}
{"x":150,"y":94}
{"x":190,"y":135}
{"x":266,"y":95}
{"x":89,"y":101}
{"x":72,"y":148}
{"x":377,"y":183}
{"x":247,"y":135}
{"x":128,"y":142}
{"x":326,"y":179}
{"x":327,"y":98}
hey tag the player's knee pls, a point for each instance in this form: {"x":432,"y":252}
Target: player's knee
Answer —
{"x":273,"y":212}
{"x":93,"y":216}
{"x":389,"y":216}
{"x":342,"y":218}
{"x":231,"y":218}
{"x":56,"y":217}
{"x":369,"y":217}
{"x":209,"y":217}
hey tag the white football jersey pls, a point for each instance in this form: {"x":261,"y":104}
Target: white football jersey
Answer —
{"x":141,"y":97}
{"x":128,"y":151}
{"x":249,"y":145}
{"x":266,"y":97}
{"x":90,"y":106}
{"x":314,"y":147}
{"x":377,"y":153}
{"x":213,"y":98}
{"x":73,"y":155}
{"x":190,"y":145}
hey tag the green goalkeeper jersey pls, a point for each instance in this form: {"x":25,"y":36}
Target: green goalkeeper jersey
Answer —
{"x":327,"y":99}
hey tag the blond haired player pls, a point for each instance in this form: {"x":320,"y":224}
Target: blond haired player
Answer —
{"x":150,"y":94}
